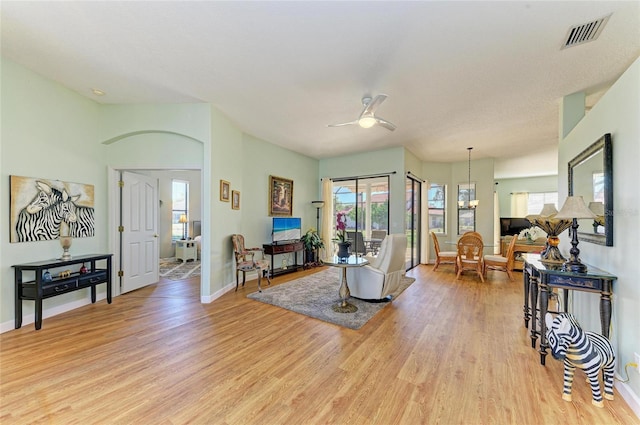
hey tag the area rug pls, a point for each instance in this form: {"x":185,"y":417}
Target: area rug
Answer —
{"x":313,"y":296}
{"x":174,"y":269}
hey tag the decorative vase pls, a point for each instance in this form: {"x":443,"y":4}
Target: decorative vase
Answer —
{"x":65,"y":243}
{"x":343,"y":250}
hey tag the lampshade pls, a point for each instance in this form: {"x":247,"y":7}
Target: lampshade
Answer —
{"x":548,"y":210}
{"x":367,"y":122}
{"x":574,"y":207}
{"x":183,"y":218}
{"x":597,"y":208}
{"x":318,"y":204}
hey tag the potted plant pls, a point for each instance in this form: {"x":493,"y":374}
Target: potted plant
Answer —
{"x":312,"y":243}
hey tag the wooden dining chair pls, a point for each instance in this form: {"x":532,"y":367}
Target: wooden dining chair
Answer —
{"x":443,"y":257}
{"x":470,"y":257}
{"x":499,"y":262}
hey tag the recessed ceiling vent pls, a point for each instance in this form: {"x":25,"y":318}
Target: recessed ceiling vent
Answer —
{"x":580,"y":34}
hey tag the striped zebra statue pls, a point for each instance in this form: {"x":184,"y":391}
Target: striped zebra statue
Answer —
{"x":585,"y":350}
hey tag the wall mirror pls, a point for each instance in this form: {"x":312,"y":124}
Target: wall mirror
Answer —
{"x":591,"y":176}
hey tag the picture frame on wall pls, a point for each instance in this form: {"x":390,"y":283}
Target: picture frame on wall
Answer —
{"x":280,"y":197}
{"x":37,"y":207}
{"x":225,"y":188}
{"x":235,"y":200}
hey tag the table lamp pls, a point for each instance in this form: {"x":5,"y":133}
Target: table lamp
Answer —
{"x":553,"y":226}
{"x":598,"y":209}
{"x":573,"y":209}
{"x":183,"y":220}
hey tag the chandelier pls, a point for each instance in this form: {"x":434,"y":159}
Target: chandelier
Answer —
{"x":469,"y":203}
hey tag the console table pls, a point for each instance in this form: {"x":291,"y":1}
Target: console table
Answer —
{"x":539,"y":277}
{"x":284,"y":248}
{"x":54,"y":277}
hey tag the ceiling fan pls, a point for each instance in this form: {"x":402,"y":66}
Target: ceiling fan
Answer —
{"x":367,"y":118}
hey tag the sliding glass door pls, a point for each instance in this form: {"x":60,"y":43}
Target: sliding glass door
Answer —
{"x":413,"y":196}
{"x":365,"y":202}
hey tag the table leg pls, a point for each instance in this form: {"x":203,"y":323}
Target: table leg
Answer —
{"x":259,"y":278}
{"x":533,"y":293}
{"x":605,"y":308}
{"x":544,"y":300}
{"x":527,"y":312}
{"x":38,"y":313}
{"x":18,"y":302}
{"x":344,"y":306}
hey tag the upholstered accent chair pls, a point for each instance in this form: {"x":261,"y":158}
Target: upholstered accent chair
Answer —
{"x":382,"y":276}
{"x":500,"y":263}
{"x":246,"y":261}
{"x":470,"y":255}
{"x":443,"y":257}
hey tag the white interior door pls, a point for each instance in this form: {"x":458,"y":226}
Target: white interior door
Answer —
{"x":139,"y":218}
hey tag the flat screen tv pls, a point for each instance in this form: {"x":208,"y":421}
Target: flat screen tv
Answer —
{"x":513,"y":225}
{"x":286,"y":229}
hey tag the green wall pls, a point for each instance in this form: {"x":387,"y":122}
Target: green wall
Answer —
{"x":47,"y":132}
{"x":617,"y":113}
{"x":505,"y":187}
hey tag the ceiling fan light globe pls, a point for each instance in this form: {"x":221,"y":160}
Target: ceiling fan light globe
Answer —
{"x":367,"y":122}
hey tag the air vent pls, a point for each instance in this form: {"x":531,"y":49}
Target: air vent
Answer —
{"x":580,"y":34}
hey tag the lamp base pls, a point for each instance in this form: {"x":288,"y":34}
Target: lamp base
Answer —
{"x":551,"y":253}
{"x":574,"y":266}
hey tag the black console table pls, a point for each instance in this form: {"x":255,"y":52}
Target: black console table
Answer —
{"x":62,"y":280}
{"x":284,"y":248}
{"x":539,"y":277}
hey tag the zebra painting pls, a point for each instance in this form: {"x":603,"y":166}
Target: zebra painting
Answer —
{"x":84,"y":225}
{"x":44,"y":209}
{"x":41,"y":219}
{"x":585,"y":350}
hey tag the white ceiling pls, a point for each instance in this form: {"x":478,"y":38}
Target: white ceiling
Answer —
{"x":484,"y":74}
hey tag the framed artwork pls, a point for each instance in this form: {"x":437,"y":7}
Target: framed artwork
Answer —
{"x":224,"y":190}
{"x":43,"y":209}
{"x":235,"y":199}
{"x":280,"y":196}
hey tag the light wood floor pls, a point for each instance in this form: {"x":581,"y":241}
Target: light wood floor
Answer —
{"x":445,"y":352}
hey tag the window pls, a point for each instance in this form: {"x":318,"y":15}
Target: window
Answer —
{"x":536,"y":201}
{"x":365,"y":201}
{"x":437,"y":203}
{"x":466,"y":214}
{"x":180,"y":208}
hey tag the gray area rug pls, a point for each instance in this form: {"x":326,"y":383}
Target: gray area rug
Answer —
{"x":314,"y":295}
{"x":173,"y":269}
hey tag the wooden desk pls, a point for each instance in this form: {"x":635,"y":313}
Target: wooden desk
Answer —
{"x":539,"y":278}
{"x":284,"y":248}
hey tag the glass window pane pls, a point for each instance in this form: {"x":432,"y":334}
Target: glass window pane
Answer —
{"x":180,"y":206}
{"x":437,"y":203}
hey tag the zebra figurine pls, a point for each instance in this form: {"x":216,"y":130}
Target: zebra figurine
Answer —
{"x":585,"y":350}
{"x":41,"y":219}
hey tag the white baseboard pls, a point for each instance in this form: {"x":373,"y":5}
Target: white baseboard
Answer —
{"x":211,"y":298}
{"x":28,"y":319}
{"x":629,"y":396}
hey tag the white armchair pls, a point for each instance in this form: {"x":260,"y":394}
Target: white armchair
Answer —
{"x":382,"y":276}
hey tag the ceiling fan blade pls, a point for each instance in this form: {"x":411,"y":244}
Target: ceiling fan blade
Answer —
{"x":371,"y":107}
{"x":386,"y":124}
{"x":343,"y":123}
